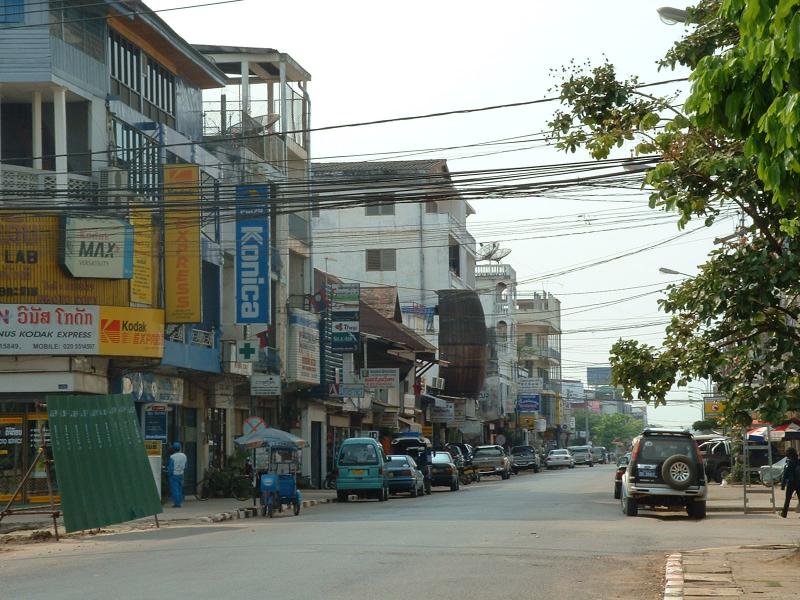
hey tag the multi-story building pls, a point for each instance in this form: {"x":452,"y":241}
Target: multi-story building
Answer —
{"x":403,"y":224}
{"x":539,"y":352}
{"x":259,"y":123}
{"x":100,"y":114}
{"x":497,"y":288}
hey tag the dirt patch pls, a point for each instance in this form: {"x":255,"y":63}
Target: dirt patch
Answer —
{"x":628,"y":578}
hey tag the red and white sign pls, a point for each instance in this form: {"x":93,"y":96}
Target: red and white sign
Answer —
{"x":253,"y":424}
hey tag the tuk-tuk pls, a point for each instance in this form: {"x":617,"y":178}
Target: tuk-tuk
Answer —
{"x":277,"y":484}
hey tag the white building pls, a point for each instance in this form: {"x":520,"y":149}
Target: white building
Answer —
{"x":408,"y":230}
{"x":497,"y":288}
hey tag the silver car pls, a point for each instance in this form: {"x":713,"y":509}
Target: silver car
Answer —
{"x":558,"y":459}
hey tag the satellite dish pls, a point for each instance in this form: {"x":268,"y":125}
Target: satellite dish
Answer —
{"x":487,"y":251}
{"x":501,"y":254}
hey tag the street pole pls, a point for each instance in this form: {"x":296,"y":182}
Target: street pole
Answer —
{"x":587,"y":423}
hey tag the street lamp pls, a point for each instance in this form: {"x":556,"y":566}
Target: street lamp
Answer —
{"x":667,"y":271}
{"x":671,"y":16}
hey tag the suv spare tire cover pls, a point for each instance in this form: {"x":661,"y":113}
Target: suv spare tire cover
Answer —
{"x":679,"y":472}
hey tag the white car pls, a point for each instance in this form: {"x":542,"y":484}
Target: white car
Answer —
{"x":557,"y":459}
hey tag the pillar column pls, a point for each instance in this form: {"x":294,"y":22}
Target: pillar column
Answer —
{"x":60,"y":119}
{"x":245,"y":89}
{"x":36,"y":112}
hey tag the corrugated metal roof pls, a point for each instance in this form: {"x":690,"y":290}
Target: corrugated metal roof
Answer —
{"x":365,"y":167}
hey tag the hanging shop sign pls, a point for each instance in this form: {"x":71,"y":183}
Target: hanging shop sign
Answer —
{"x":380,"y":379}
{"x":31,"y":270}
{"x":713,"y":407}
{"x":98,"y":247}
{"x":530,"y":385}
{"x":262,"y":384}
{"x":443,"y":414}
{"x":304,"y":355}
{"x":459,"y":411}
{"x":153,"y":388}
{"x":71,"y":329}
{"x":252,"y":254}
{"x":142,"y":278}
{"x":528,"y":404}
{"x":247,"y":351}
{"x":345,"y":301}
{"x":182,"y":256}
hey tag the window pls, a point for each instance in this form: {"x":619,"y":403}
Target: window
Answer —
{"x":358,"y":454}
{"x":12,"y":11}
{"x":384,"y":259}
{"x":78,"y":26}
{"x":138,"y":153}
{"x":455,"y":257}
{"x":529,"y":339}
{"x":383,"y":205}
{"x":431,"y":207}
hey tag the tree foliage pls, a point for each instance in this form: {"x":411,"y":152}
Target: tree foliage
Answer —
{"x":604,"y":430}
{"x":732,"y":146}
{"x":705,"y":425}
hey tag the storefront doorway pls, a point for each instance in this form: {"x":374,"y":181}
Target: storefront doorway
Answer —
{"x":19,"y":445}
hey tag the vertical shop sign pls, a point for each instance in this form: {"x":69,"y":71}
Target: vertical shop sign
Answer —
{"x":345,"y":316}
{"x":182,"y":251}
{"x":142,"y":280}
{"x":252,"y":254}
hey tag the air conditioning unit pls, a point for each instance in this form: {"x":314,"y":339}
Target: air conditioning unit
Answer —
{"x":114,"y":194}
{"x":437,"y":383}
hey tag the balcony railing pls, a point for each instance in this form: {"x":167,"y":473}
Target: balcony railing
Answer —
{"x":496,"y":271}
{"x":539,"y":352}
{"x":189,"y":334}
{"x":23,"y":182}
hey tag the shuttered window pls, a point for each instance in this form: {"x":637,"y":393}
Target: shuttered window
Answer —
{"x":384,"y":259}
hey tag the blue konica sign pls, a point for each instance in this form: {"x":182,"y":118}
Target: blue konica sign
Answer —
{"x":252,"y":254}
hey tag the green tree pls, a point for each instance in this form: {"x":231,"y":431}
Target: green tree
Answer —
{"x":732,"y":146}
{"x":605,"y":429}
{"x":705,"y":425}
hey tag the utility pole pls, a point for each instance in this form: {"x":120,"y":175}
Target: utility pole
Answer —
{"x":587,"y":423}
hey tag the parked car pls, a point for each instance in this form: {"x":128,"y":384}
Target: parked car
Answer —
{"x":492,"y":460}
{"x":600,"y":455}
{"x":464,"y":463}
{"x":558,"y":459}
{"x":444,"y":471}
{"x":622,"y":465}
{"x":718,"y":457}
{"x":525,"y":457}
{"x":666,"y":469}
{"x":466,"y":451}
{"x":361,"y":466}
{"x":403,"y":475}
{"x":582,"y":455}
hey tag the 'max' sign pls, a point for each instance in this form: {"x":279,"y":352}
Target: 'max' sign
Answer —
{"x":100,"y":248}
{"x":252,"y":254}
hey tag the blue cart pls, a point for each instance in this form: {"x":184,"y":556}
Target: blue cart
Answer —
{"x":277,"y":484}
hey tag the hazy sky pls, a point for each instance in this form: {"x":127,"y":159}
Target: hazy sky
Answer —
{"x":373,"y":60}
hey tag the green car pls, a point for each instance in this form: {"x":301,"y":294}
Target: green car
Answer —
{"x":361,"y":470}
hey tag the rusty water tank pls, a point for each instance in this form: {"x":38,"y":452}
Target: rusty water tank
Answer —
{"x":462,"y":342}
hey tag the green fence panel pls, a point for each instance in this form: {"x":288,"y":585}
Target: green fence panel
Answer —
{"x":103,"y":473}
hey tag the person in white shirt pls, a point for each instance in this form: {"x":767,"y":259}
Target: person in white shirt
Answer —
{"x":175,"y":468}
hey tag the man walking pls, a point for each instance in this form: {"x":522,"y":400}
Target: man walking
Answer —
{"x":175,"y":468}
{"x":790,"y":479}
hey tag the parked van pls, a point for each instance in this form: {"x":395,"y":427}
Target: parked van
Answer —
{"x":600,"y":455}
{"x":361,"y":470}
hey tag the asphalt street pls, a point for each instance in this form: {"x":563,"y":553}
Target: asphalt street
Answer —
{"x":550,"y":535}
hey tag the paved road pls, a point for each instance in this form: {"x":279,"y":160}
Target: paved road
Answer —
{"x":551,"y":535}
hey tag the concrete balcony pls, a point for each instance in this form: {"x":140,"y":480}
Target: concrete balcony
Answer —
{"x":25,"y":182}
{"x":496,"y":271}
{"x":551,"y":355}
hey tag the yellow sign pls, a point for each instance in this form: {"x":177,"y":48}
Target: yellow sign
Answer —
{"x":182,"y":260}
{"x":527,"y":421}
{"x":142,"y":280}
{"x":30,"y":269}
{"x":152,"y":447}
{"x":713,"y":408}
{"x":131,"y":331}
{"x":427,"y":431}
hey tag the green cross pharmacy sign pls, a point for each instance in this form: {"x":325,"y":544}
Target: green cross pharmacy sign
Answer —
{"x":247,"y":351}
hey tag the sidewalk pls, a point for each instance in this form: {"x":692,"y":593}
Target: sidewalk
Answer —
{"x":768,"y":572}
{"x":192,"y":511}
{"x":729,"y":498}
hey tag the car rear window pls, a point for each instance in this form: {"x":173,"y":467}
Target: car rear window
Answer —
{"x":398,"y":462}
{"x":662,"y":448}
{"x":558,"y":452}
{"x":488,"y":452}
{"x":442,"y":457}
{"x":521,"y":451}
{"x":358,"y":454}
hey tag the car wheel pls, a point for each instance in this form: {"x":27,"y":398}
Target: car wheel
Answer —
{"x":696,"y":509}
{"x":383,"y":495}
{"x":341,"y":496}
{"x":678,"y":472}
{"x":617,"y":491}
{"x":591,"y":464}
{"x":454,"y":486}
{"x":516,"y":471}
{"x":630,"y":506}
{"x":572,"y":466}
{"x":414,"y":491}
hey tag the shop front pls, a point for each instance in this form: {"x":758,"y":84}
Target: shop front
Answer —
{"x":22,"y":423}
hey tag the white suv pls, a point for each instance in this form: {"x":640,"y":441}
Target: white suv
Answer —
{"x":666,"y":469}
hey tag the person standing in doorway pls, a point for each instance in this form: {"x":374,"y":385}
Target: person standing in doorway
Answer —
{"x":175,"y":468}
{"x":790,"y":479}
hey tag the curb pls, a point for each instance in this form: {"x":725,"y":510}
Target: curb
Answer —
{"x":246,"y":513}
{"x":673,"y":577}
